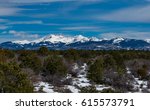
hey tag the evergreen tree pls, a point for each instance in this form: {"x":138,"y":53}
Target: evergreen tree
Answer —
{"x":143,"y":72}
{"x":54,"y":65}
{"x":30,"y":60}
{"x":43,"y":51}
{"x":13,"y":80}
{"x":90,"y":89}
{"x":96,"y":71}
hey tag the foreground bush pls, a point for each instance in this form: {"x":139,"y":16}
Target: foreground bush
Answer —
{"x":96,"y":71}
{"x":90,"y":89}
{"x":54,"y":65}
{"x":30,"y":60}
{"x":13,"y":80}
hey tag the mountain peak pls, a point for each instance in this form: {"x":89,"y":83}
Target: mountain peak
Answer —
{"x":62,"y":39}
{"x":118,"y":39}
{"x":54,"y":39}
{"x":147,"y":40}
{"x":95,"y":39}
{"x":80,"y":38}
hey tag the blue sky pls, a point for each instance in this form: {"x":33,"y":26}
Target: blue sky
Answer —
{"x":31,"y":19}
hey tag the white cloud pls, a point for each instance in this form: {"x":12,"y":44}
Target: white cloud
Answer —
{"x":9,"y":10}
{"x":48,"y":1}
{"x":82,"y":28}
{"x":132,"y":14}
{"x":22,"y":34}
{"x":3,"y":27}
{"x":3,"y":20}
{"x":4,"y":32}
{"x":127,"y":34}
{"x":32,"y":1}
{"x":10,"y":7}
{"x":42,"y":15}
{"x":26,"y":22}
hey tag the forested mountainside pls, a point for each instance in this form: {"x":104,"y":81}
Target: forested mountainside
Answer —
{"x":74,"y":71}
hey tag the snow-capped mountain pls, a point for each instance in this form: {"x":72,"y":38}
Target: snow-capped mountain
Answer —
{"x":147,"y":40}
{"x":61,"y":42}
{"x":54,"y":39}
{"x":59,"y":39}
{"x":118,"y":39}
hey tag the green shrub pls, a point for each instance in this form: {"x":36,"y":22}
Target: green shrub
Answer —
{"x":96,"y":71}
{"x":54,"y":65}
{"x":13,"y":80}
{"x":90,"y":89}
{"x":142,"y":72}
{"x":43,"y":51}
{"x":108,"y":91}
{"x":30,"y":60}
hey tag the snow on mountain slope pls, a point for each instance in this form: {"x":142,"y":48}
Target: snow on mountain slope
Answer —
{"x":147,"y":40}
{"x":54,"y":39}
{"x":21,"y":42}
{"x":118,"y":39}
{"x":80,"y":38}
{"x":79,"y":42}
{"x":63,"y":39}
{"x":59,"y":39}
{"x":95,"y":39}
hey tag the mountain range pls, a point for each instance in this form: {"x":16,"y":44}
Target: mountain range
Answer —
{"x":60,"y":42}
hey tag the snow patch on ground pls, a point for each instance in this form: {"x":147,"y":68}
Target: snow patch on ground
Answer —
{"x":73,"y":89}
{"x":128,"y":70}
{"x":102,"y":87}
{"x":81,"y":80}
{"x":138,"y":84}
{"x":45,"y":87}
